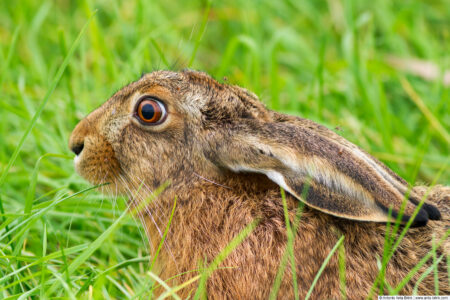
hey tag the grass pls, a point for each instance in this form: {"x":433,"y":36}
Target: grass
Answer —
{"x":323,"y":60}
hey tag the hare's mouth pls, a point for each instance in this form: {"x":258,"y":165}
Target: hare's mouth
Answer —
{"x":98,"y":170}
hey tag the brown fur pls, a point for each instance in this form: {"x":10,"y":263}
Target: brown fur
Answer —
{"x":213,"y":131}
{"x":202,"y":228}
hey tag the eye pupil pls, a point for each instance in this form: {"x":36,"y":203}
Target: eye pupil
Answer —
{"x":148,"y":111}
{"x":151,"y":111}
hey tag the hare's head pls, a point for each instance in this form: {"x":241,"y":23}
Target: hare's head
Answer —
{"x":168,"y":126}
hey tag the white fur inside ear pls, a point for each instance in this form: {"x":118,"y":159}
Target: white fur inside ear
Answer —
{"x":278,"y":179}
{"x":272,"y":175}
{"x":316,"y":168}
{"x":334,"y":181}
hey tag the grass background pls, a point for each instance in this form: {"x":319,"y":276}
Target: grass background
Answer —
{"x":323,"y":60}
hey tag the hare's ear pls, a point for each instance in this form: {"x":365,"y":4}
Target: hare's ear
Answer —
{"x":339,"y":178}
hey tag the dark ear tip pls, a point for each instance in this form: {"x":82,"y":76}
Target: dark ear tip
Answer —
{"x":433,"y":211}
{"x":421,"y":218}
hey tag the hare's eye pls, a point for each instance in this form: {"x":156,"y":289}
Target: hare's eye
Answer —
{"x":151,"y":111}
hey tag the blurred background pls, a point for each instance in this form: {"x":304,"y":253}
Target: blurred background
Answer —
{"x":376,"y":72}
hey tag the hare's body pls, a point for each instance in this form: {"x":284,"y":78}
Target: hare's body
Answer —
{"x":203,"y":224}
{"x":218,"y":146}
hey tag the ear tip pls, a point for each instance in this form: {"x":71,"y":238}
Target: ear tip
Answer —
{"x":433,"y":211}
{"x":421,"y":218}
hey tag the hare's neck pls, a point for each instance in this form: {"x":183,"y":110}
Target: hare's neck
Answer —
{"x":202,"y":207}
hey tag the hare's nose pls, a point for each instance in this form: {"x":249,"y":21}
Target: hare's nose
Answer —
{"x":77,"y":148}
{"x":78,"y":136}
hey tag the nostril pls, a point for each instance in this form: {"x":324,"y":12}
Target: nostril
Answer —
{"x":77,"y":148}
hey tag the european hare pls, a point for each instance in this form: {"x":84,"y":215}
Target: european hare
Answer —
{"x":226,"y":156}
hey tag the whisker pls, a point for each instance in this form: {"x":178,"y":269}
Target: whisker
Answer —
{"x":206,"y":179}
{"x":145,"y":241}
{"x":147,"y":210}
{"x":157,"y":205}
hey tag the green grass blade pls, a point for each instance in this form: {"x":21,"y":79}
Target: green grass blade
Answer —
{"x":434,"y":122}
{"x":290,"y":244}
{"x":427,"y":272}
{"x":53,"y":255}
{"x":43,"y":265}
{"x":322,"y":267}
{"x":30,"y":196}
{"x":11,"y":50}
{"x":173,"y":290}
{"x":163,"y":284}
{"x":41,"y":106}
{"x":392,"y":248}
{"x":200,"y":32}
{"x":236,"y":241}
{"x":281,"y":269}
{"x":90,"y":249}
{"x":342,"y":276}
{"x":164,"y":235}
{"x":40,"y":212}
{"x":160,"y":53}
{"x":417,"y":267}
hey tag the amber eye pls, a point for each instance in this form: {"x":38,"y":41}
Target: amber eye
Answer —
{"x":151,"y":111}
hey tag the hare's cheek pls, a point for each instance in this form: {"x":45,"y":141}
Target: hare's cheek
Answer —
{"x":97,"y":162}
